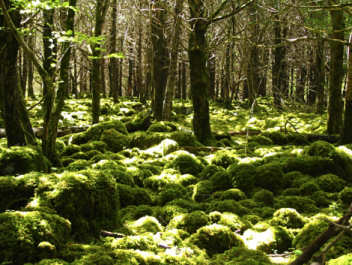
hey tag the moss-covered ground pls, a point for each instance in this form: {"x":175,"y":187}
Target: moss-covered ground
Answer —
{"x":136,"y":191}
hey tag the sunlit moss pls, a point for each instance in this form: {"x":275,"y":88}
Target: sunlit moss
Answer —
{"x":289,"y":218}
{"x":343,"y":260}
{"x":144,"y":224}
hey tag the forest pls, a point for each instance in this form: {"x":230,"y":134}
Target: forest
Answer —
{"x":191,"y":132}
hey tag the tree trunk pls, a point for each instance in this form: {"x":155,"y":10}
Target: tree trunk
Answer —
{"x":113,"y":64}
{"x":171,"y":81}
{"x":319,"y":80}
{"x":335,"y":105}
{"x":160,"y":58}
{"x":197,"y":52}
{"x":101,"y":9}
{"x":17,"y":124}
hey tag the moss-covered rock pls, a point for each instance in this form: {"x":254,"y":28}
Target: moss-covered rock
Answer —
{"x":187,"y":164}
{"x":133,"y":195}
{"x":114,"y":140}
{"x":162,"y":126}
{"x":264,"y":196}
{"x":31,"y":236}
{"x":22,"y":159}
{"x":346,"y":195}
{"x":184,"y":138}
{"x":165,"y":147}
{"x":322,"y":199}
{"x":227,"y":206}
{"x":167,"y":212}
{"x":331,"y":183}
{"x":215,"y":239}
{"x":202,"y":191}
{"x":190,"y":222}
{"x":144,"y":224}
{"x":233,"y":194}
{"x":144,"y":140}
{"x":242,"y":176}
{"x":261,"y":139}
{"x":343,"y":260}
{"x":139,"y":122}
{"x":223,"y":158}
{"x":231,"y":220}
{"x":71,"y":149}
{"x":172,"y":192}
{"x":53,"y":262}
{"x":78,"y":165}
{"x":241,"y":256}
{"x":89,"y":199}
{"x":300,"y":203}
{"x":288,"y":218}
{"x":221,"y":180}
{"x":274,"y":239}
{"x":209,"y":171}
{"x":308,"y":188}
{"x":269,"y":176}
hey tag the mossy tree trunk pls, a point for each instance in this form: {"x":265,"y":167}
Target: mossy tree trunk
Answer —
{"x":197,"y":52}
{"x":160,"y":57}
{"x":113,"y":64}
{"x":17,"y":124}
{"x":347,"y":125}
{"x":171,"y":81}
{"x":96,"y":81}
{"x":335,"y":104}
{"x":319,"y":80}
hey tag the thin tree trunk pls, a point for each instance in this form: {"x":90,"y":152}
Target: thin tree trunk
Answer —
{"x":113,"y":64}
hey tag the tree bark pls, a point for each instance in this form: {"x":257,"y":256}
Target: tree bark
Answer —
{"x":335,"y":104}
{"x":113,"y":64}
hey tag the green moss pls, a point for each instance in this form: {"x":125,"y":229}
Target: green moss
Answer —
{"x":290,"y":179}
{"x":167,"y":212}
{"x":227,"y":206}
{"x":277,"y":137}
{"x":133,"y":195}
{"x":144,"y":140}
{"x":53,"y":262}
{"x":140,"y":242}
{"x":89,"y":199}
{"x":77,"y":165}
{"x":144,"y":224}
{"x":215,"y":239}
{"x":321,"y":198}
{"x":346,"y":195}
{"x":71,"y":149}
{"x":233,"y":194}
{"x":22,"y":159}
{"x":209,"y":171}
{"x":114,"y":140}
{"x":241,"y":256}
{"x":321,"y":148}
{"x":165,"y":147}
{"x":291,"y":192}
{"x":274,"y":239}
{"x":269,"y":176}
{"x":172,"y":192}
{"x":94,"y":145}
{"x":343,"y":260}
{"x":311,"y":165}
{"x":224,"y":159}
{"x":231,"y":220}
{"x":187,"y":204}
{"x":331,"y":183}
{"x":261,"y":139}
{"x":221,"y":180}
{"x":252,"y":218}
{"x":187,"y":164}
{"x":22,"y":236}
{"x":202,"y":191}
{"x":288,"y":218}
{"x":139,"y":122}
{"x":162,"y":126}
{"x":308,"y":188}
{"x":300,"y":203}
{"x":265,"y":197}
{"x":189,"y":222}
{"x":184,"y":138}
{"x":242,"y":176}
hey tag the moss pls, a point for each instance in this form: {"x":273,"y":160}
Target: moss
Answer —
{"x":215,"y":239}
{"x":343,"y":260}
{"x":172,"y":192}
{"x":331,"y":183}
{"x":71,"y":149}
{"x":242,"y":176}
{"x":321,"y":148}
{"x":288,"y":218}
{"x":133,"y":195}
{"x":231,"y":220}
{"x":290,"y":179}
{"x":144,"y":224}
{"x":252,"y":218}
{"x":291,"y":192}
{"x":308,"y":188}
{"x":22,"y":159}
{"x":16,"y":192}
{"x":89,"y":199}
{"x":79,"y":155}
{"x":185,"y":138}
{"x":187,"y":204}
{"x":209,"y":171}
{"x":139,"y":122}
{"x":261,"y":139}
{"x":265,"y":197}
{"x":145,"y":140}
{"x":140,"y":242}
{"x":77,"y":165}
{"x":202,"y":191}
{"x":233,"y":194}
{"x":22,"y":236}
{"x":167,"y":212}
{"x":277,"y":138}
{"x":53,"y":262}
{"x":101,"y":258}
{"x":139,"y":174}
{"x":162,"y":126}
{"x":241,"y":256}
{"x":300,"y":203}
{"x":187,"y":164}
{"x":274,"y":239}
{"x":269,"y":176}
{"x":227,"y":206}
{"x":165,"y":147}
{"x":221,"y":180}
{"x":190,"y":222}
{"x":223,"y":158}
{"x":132,"y":212}
{"x":114,"y":140}
{"x":346,"y":195}
{"x":94,"y":145}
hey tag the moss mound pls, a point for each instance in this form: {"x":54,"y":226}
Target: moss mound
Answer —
{"x":265,"y":197}
{"x":133,"y":195}
{"x":300,"y":203}
{"x":144,"y":224}
{"x":185,"y":138}
{"x":31,"y":236}
{"x":221,"y":180}
{"x":346,"y":195}
{"x":89,"y":199}
{"x":139,"y":122}
{"x":114,"y":140}
{"x":242,"y":176}
{"x":202,"y":191}
{"x":331,"y":183}
{"x":343,"y":260}
{"x":288,"y":218}
{"x":187,"y":164}
{"x":22,"y":159}
{"x":233,"y":194}
{"x":231,"y":220}
{"x":269,"y":176}
{"x":223,"y":158}
{"x":190,"y":222}
{"x":215,"y":239}
{"x":227,"y":206}
{"x":209,"y":171}
{"x":241,"y":256}
{"x":162,"y":126}
{"x":172,"y":192}
{"x":144,"y":140}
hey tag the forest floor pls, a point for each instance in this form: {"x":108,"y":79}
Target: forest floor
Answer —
{"x":132,"y":190}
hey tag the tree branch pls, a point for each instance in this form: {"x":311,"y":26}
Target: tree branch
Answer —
{"x":237,"y":10}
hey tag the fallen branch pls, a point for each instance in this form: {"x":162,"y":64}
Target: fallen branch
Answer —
{"x":332,"y":231}
{"x":104,"y":233}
